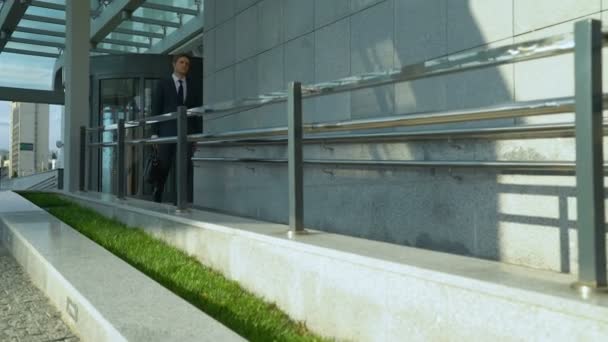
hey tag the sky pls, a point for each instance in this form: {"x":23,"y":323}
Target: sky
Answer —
{"x":22,"y":71}
{"x":30,"y":72}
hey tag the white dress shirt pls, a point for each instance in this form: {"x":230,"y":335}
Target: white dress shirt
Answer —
{"x":176,"y":80}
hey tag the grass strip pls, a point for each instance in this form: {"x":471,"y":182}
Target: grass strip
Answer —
{"x":223,"y":299}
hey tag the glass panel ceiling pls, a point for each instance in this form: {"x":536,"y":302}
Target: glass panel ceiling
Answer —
{"x":40,"y":25}
{"x":23,"y":71}
{"x":154,"y":15}
{"x":45,"y":12}
{"x":40,"y":36}
{"x":130,"y":25}
{"x":17,"y":35}
{"x":32,"y":48}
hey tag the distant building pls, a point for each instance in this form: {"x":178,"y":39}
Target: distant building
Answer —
{"x":29,"y":138}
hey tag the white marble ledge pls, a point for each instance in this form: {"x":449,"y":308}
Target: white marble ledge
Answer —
{"x":514,"y":283}
{"x":11,"y":203}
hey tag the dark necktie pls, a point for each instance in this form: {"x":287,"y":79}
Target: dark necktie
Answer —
{"x":180,"y":93}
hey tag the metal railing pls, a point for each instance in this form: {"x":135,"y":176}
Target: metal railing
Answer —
{"x":586,"y":43}
{"x":121,"y":142}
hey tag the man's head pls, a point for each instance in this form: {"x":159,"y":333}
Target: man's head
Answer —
{"x":181,"y":64}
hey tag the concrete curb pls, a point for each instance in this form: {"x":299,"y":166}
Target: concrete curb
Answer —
{"x":101,"y":297}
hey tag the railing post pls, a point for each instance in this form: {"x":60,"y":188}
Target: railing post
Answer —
{"x":141,"y":167}
{"x":295,"y":159}
{"x":120,"y":156}
{"x":60,"y":179}
{"x":181,"y":178}
{"x":589,"y":158}
{"x":83,"y":153}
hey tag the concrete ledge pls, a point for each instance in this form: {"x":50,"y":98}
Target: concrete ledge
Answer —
{"x":358,"y":289}
{"x":100,"y":296}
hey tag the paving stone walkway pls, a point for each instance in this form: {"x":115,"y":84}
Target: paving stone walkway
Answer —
{"x":25,"y":312}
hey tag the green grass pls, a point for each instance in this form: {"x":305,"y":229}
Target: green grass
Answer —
{"x":220,"y":298}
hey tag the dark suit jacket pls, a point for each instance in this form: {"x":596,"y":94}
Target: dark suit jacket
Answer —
{"x":165,"y":101}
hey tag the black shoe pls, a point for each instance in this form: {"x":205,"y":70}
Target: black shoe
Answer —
{"x":157,"y":195}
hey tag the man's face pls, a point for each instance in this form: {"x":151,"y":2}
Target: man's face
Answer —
{"x":182,"y":66}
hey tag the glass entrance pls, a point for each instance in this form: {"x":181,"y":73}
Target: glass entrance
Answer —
{"x":119,"y":99}
{"x":129,"y":99}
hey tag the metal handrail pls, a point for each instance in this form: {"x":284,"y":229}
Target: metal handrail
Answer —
{"x":513,"y":110}
{"x":529,"y":108}
{"x":533,"y":131}
{"x":150,"y":120}
{"x":556,"y":166}
{"x":51,"y":179}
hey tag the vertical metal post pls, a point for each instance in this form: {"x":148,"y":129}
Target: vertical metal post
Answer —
{"x":120,"y":156}
{"x":295,"y":162}
{"x":87,"y":162}
{"x":589,"y":158}
{"x":139,"y":133}
{"x":141,"y":165}
{"x":83,"y":151}
{"x":181,"y":175}
{"x":60,"y":179}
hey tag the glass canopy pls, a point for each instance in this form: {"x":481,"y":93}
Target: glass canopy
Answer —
{"x":37,"y":38}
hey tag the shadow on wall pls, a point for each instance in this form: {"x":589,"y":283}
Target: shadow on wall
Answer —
{"x":453,"y":211}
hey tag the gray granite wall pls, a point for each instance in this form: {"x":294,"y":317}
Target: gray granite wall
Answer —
{"x":253,"y":47}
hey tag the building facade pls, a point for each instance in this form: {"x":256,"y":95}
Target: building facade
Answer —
{"x":29,"y":139}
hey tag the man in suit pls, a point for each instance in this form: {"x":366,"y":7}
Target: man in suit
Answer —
{"x":172,"y":92}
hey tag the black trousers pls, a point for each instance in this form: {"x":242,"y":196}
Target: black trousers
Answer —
{"x":167,"y":156}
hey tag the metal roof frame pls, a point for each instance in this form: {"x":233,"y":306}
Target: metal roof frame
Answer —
{"x":105,"y":20}
{"x":169,"y":8}
{"x":188,"y":31}
{"x":105,"y":23}
{"x":31,"y":53}
{"x":40,"y":32}
{"x":44,"y":19}
{"x":10,"y":14}
{"x":111,"y":17}
{"x":32,"y":95}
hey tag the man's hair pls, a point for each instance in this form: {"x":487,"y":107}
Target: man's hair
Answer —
{"x":176,"y":57}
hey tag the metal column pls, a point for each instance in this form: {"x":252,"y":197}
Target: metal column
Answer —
{"x":589,"y":158}
{"x":120,"y":157}
{"x":295,"y":159}
{"x":77,"y":83}
{"x":181,"y":175}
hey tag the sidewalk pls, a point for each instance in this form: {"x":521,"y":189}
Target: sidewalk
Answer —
{"x":25,"y":313}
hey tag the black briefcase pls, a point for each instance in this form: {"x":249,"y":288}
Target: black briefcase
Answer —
{"x":153,"y":172}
